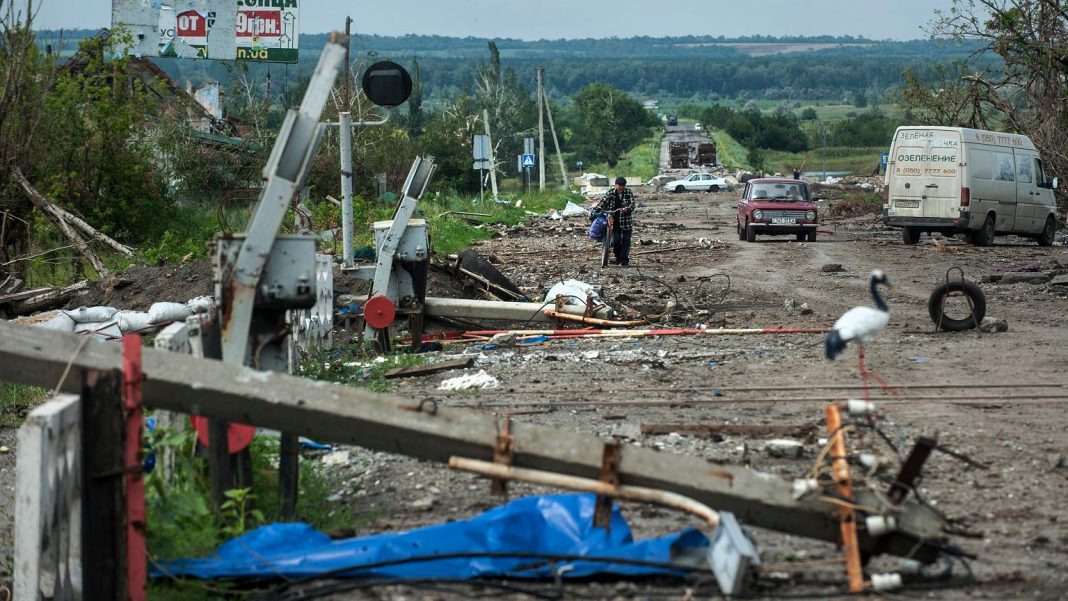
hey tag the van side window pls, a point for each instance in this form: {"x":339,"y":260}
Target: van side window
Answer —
{"x":1023,"y":169}
{"x":982,"y":164}
{"x":1003,"y":168}
{"x":1040,"y":177}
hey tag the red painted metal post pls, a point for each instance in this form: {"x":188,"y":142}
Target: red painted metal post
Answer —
{"x":136,"y":561}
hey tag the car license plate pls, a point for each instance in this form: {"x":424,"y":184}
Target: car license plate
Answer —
{"x":907,"y":204}
{"x":783,"y":220}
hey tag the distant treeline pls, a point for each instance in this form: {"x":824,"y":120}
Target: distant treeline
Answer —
{"x":697,"y":68}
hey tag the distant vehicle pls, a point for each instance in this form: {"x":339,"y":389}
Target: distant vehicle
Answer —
{"x":958,"y":180}
{"x":776,"y":207}
{"x":697,"y":127}
{"x":673,"y":120}
{"x":697,"y":182}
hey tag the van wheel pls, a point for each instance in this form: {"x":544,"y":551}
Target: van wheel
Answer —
{"x":750,"y":233}
{"x":1048,"y":233}
{"x":985,"y":235}
{"x":950,"y":324}
{"x":910,"y":235}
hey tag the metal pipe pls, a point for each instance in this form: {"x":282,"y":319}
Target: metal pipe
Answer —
{"x":593,"y":321}
{"x":345,"y":119}
{"x":632,"y":493}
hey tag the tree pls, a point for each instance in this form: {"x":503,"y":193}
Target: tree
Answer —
{"x":607,"y":123}
{"x":415,"y":101}
{"x":1029,"y":95}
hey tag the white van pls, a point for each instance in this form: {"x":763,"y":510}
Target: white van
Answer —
{"x":970,"y":181}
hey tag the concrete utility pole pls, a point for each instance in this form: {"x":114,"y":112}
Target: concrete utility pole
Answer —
{"x":541,"y":135}
{"x":492,"y":159}
{"x":556,"y":142}
{"x":345,"y":122}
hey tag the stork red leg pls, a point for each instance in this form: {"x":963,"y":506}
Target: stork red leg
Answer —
{"x":863,"y":371}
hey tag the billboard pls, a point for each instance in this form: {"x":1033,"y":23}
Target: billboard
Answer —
{"x":251,"y":30}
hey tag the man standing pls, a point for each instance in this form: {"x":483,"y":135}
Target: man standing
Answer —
{"x":620,"y":199}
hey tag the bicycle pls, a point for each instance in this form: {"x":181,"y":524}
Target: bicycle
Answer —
{"x":606,"y":244}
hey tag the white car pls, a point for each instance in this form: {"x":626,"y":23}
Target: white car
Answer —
{"x":697,"y":182}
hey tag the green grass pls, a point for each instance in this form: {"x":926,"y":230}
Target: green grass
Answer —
{"x":346,"y":367}
{"x":859,"y":161}
{"x":16,"y":401}
{"x":450,"y":232}
{"x":729,"y":152}
{"x":641,"y":161}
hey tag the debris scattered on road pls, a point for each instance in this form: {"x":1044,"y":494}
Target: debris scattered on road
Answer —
{"x":478,"y":380}
{"x":993,"y":325}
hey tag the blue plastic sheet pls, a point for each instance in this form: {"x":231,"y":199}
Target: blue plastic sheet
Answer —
{"x":551,"y":524}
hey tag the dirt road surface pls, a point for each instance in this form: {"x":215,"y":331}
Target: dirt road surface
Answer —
{"x":1015,"y":505}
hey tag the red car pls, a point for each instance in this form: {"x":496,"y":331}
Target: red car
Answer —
{"x":776,"y":207}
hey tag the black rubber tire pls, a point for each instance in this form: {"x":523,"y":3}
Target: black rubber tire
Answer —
{"x":741,"y":231}
{"x":910,"y":235}
{"x":800,"y":236}
{"x":680,"y":189}
{"x":934,"y":305}
{"x":714,"y":188}
{"x":812,"y":235}
{"x":750,"y":234}
{"x":1049,"y":232}
{"x":985,"y":235}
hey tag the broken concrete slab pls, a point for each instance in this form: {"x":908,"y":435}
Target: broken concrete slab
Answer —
{"x":1026,"y":277}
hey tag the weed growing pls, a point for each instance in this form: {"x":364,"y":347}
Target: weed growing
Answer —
{"x":856,"y":204}
{"x":16,"y":401}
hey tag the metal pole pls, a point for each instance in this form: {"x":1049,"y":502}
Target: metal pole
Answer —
{"x":345,"y":120}
{"x":541,"y":135}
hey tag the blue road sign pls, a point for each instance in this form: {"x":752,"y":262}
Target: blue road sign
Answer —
{"x":528,"y":161}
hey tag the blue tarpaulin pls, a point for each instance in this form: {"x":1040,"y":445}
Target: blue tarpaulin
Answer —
{"x":540,"y":525}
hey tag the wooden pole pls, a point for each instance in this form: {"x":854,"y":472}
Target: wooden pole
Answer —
{"x":103,"y":500}
{"x":426,"y":430}
{"x":847,"y":516}
{"x":556,"y":141}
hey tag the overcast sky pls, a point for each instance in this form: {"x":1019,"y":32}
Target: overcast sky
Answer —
{"x":554,"y":19}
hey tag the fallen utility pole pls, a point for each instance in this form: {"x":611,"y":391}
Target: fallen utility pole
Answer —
{"x":333,"y":413}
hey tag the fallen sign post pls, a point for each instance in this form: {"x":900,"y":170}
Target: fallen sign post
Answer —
{"x":426,"y":370}
{"x":333,"y":413}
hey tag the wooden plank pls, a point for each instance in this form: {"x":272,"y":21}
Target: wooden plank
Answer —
{"x":430,"y":368}
{"x":333,"y":413}
{"x":48,"y":545}
{"x":104,"y":501}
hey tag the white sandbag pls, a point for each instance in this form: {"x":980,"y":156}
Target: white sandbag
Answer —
{"x":573,"y":291}
{"x":132,"y":321}
{"x":572,"y":210}
{"x":201,"y":304}
{"x":61,"y":322}
{"x":91,"y":314}
{"x":167,"y":312}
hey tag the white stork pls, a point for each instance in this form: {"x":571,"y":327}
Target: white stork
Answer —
{"x":861,"y":324}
